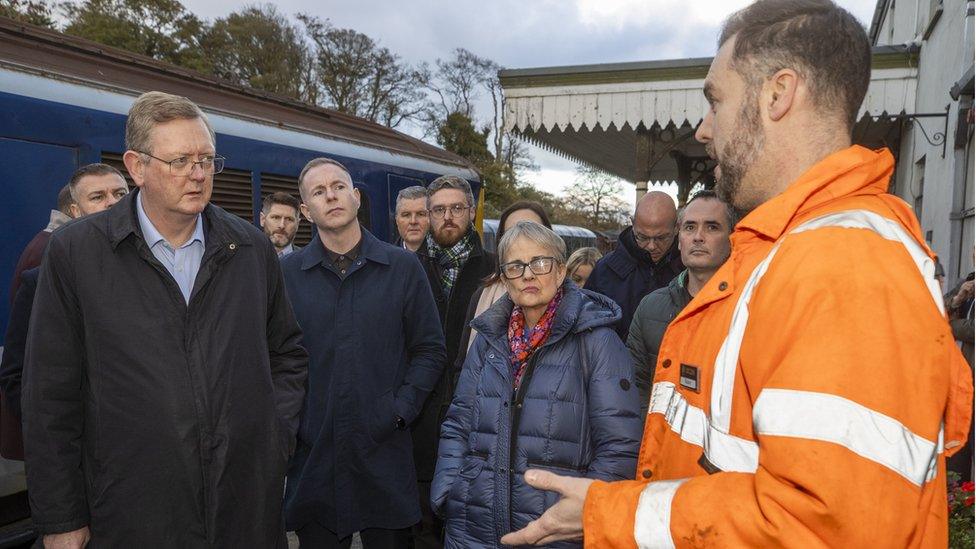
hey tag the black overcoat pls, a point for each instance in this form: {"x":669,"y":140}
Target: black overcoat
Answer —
{"x":157,"y":423}
{"x":376,"y":350}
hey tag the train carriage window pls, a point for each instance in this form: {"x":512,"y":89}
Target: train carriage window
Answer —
{"x":271,"y":183}
{"x":231,"y":188}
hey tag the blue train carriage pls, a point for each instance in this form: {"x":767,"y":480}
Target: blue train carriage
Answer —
{"x":574,"y":237}
{"x":63,"y":103}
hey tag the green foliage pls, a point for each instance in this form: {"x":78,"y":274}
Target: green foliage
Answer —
{"x":28,"y":11}
{"x":961,"y":517}
{"x":359,"y":77}
{"x":161,"y":29}
{"x":260,"y":48}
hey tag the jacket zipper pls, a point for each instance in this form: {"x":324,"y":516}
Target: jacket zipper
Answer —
{"x":518,"y":397}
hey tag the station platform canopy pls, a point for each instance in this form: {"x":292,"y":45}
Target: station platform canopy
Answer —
{"x":637,"y":120}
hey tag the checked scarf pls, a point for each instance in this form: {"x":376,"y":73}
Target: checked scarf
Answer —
{"x":450,"y":259}
{"x":524,"y":344}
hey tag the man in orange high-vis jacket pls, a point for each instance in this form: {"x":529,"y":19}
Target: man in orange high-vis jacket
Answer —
{"x":809,"y":394}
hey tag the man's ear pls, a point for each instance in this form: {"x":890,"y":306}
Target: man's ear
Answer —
{"x":135,"y":166}
{"x":306,"y":213}
{"x":261,"y":218}
{"x":74,"y":210}
{"x":781,"y":93}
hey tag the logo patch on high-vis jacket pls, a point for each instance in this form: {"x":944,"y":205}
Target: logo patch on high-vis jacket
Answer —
{"x":690,"y":377}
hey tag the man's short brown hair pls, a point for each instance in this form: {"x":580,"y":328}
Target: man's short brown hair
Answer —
{"x":154,"y":108}
{"x":279,"y":197}
{"x":824,"y":43}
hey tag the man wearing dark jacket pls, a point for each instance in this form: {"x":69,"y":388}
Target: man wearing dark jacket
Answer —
{"x":164,"y":371}
{"x":92,"y":188}
{"x":376,"y":352}
{"x":456,"y":264}
{"x":704,"y":226}
{"x":646,"y":258}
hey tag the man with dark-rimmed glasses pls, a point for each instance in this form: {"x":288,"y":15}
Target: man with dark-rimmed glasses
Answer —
{"x":161,"y":399}
{"x":455,"y":263}
{"x":646,"y":258}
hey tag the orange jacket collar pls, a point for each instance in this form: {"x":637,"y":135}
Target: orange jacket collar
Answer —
{"x":851,"y":171}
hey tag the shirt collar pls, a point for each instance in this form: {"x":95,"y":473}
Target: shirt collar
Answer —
{"x":153,"y":236}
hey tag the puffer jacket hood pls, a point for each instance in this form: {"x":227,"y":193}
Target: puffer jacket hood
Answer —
{"x":575,"y":414}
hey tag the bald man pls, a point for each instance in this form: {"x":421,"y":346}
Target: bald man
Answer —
{"x":646,"y":258}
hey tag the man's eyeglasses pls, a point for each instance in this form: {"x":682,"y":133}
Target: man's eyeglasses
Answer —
{"x":659,"y":240}
{"x":183,"y":166}
{"x":456,"y":210}
{"x":538,"y":266}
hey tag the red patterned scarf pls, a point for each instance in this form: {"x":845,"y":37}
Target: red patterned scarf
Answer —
{"x":524,"y":344}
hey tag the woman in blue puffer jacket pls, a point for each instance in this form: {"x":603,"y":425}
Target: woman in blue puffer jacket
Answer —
{"x":547,"y":384}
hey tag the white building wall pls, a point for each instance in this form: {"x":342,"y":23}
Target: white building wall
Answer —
{"x":945,"y":56}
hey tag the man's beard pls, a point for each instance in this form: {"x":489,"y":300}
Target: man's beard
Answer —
{"x":276,"y":239}
{"x":445,"y":240}
{"x":740,"y":152}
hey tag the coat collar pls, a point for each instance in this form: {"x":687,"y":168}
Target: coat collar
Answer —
{"x":121,"y":220}
{"x":849,"y":172}
{"x":370,"y":248}
{"x":627,"y":256}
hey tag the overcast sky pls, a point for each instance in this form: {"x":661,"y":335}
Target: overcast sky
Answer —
{"x":530,"y":33}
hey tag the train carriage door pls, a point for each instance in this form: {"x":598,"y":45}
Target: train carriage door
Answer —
{"x":395,"y":184}
{"x":32,"y":174}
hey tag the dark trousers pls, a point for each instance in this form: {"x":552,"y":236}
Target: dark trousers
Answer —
{"x":315,"y":536}
{"x":429,"y":532}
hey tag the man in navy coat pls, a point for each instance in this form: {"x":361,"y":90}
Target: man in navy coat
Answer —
{"x":376,"y":350}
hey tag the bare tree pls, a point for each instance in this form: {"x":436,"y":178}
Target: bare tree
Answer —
{"x":596,"y":194}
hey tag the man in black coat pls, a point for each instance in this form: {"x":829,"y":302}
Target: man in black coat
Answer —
{"x":704,"y":226}
{"x":376,"y":352}
{"x":164,"y":373}
{"x":646,"y":258}
{"x":456,"y":264}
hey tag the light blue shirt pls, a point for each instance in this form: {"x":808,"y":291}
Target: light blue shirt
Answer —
{"x":183,"y":262}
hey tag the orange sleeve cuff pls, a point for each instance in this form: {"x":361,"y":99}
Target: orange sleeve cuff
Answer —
{"x":608,"y":514}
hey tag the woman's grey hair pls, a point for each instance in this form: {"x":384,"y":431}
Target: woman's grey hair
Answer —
{"x":535,"y":233}
{"x":582,"y":256}
{"x":410,"y":193}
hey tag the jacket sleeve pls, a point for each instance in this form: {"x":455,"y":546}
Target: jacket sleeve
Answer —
{"x":15,"y":344}
{"x":424,"y":340}
{"x":642,"y":358}
{"x":289,"y":361}
{"x":463,"y":345}
{"x":860,"y":377}
{"x":613,"y":407}
{"x":962,"y":329}
{"x":53,"y":399}
{"x":456,"y":427}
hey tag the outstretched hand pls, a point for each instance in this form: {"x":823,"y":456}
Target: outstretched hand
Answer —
{"x":562,"y":521}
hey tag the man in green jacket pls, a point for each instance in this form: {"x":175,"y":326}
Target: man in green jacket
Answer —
{"x":704,"y":226}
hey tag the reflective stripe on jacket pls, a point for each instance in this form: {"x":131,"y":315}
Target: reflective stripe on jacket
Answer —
{"x":805,"y":396}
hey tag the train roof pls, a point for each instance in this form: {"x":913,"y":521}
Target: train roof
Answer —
{"x":491,"y":226}
{"x":38,"y":51}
